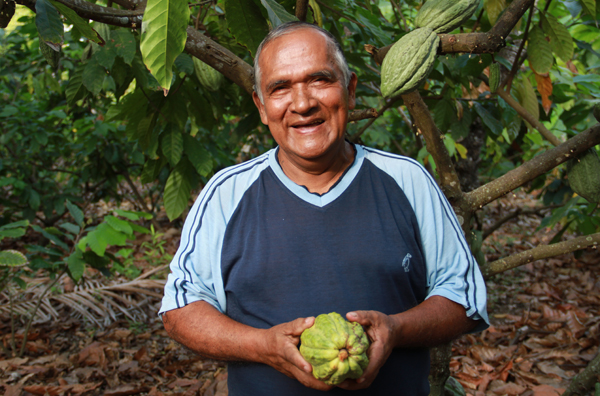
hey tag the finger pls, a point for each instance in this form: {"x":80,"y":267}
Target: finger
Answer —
{"x":299,"y":325}
{"x":365,"y":318}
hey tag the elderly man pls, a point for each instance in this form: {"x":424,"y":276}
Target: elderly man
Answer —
{"x":314,"y":226}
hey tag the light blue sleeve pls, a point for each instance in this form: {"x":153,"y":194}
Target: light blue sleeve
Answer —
{"x":452,"y":271}
{"x":196,"y":267}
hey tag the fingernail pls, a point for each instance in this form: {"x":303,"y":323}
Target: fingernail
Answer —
{"x":353,"y":314}
{"x":307,"y":369}
{"x":308,"y":320}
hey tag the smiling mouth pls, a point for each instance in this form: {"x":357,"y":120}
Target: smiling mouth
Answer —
{"x":308,"y":125}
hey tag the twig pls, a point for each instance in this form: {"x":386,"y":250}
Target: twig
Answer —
{"x":516,"y":213}
{"x":358,"y":115}
{"x":476,"y":25}
{"x":301,"y":9}
{"x":397,"y":7}
{"x":355,"y":137}
{"x":517,"y":63}
{"x":534,"y":167}
{"x":538,"y":253}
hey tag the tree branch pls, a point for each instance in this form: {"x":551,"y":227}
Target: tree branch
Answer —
{"x":358,"y":115}
{"x":301,"y":9}
{"x":515,"y":213}
{"x":538,"y":253}
{"x":534,"y":168}
{"x":584,"y":382}
{"x":527,"y":116}
{"x":379,"y":113}
{"x":108,"y":15}
{"x":517,"y":63}
{"x":477,"y":43}
{"x":435,"y":146}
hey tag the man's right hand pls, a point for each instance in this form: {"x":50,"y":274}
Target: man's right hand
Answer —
{"x":281,"y":346}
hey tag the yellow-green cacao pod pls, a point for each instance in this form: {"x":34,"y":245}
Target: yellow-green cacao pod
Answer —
{"x":209,"y":77}
{"x":444,"y":16}
{"x":494,"y":76}
{"x":52,"y":57}
{"x":336,"y":348}
{"x":408,"y":63}
{"x":596,"y":112}
{"x":584,"y":175}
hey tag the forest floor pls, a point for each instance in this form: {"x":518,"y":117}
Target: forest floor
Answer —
{"x":545,"y":329}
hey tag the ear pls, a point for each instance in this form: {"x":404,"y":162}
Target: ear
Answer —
{"x":352,"y":91}
{"x":261,"y":108}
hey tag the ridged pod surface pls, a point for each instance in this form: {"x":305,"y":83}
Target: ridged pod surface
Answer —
{"x":408,"y":63}
{"x":444,"y":16}
{"x":584,"y":175}
{"x":208,"y":77}
{"x":494,"y":77}
{"x":335,"y":348}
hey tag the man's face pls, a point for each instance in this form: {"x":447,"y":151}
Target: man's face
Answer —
{"x":305,"y":102}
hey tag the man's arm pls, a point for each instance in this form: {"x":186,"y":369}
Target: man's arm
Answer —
{"x":434,"y":321}
{"x":205,"y":330}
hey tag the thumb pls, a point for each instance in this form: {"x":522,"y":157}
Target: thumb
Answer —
{"x":301,"y":324}
{"x":362,"y":317}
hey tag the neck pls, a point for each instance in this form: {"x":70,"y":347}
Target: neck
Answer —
{"x":320,"y":174}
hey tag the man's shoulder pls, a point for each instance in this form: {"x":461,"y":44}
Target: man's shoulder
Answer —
{"x":397,"y":166}
{"x":240,"y":173}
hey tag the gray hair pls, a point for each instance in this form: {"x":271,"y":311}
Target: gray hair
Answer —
{"x":335,"y":50}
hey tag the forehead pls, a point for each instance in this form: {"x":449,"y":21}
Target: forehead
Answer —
{"x":298,"y":50}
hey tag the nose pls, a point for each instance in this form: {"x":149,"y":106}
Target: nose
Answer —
{"x":302,"y":99}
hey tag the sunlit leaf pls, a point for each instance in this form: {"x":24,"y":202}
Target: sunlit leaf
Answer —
{"x":80,"y":24}
{"x":560,"y":38}
{"x":277,"y":14}
{"x":589,"y":6}
{"x":527,"y":98}
{"x":493,"y":8}
{"x":246,"y":23}
{"x":544,"y":87}
{"x":163,"y":37}
{"x":539,"y":52}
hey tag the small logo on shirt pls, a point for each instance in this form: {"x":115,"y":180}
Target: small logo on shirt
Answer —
{"x":406,"y":262}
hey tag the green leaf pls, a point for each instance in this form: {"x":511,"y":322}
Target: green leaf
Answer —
{"x":277,"y":14}
{"x":177,"y":190}
{"x":124,"y":44}
{"x":198,"y":155}
{"x":105,"y":56}
{"x":76,"y":265}
{"x":493,"y":124}
{"x":34,"y":199}
{"x":589,"y":6}
{"x":494,"y":8}
{"x":49,"y":24}
{"x":185,"y":64}
{"x":50,"y":234}
{"x":12,"y":258}
{"x":16,"y":224}
{"x":539,"y":51}
{"x":93,"y":76}
{"x":103,"y":236}
{"x":133,"y":216}
{"x":172,"y":144}
{"x":246,"y":23}
{"x":163,"y":37}
{"x":527,"y":98}
{"x":444,"y":114}
{"x":75,"y":89}
{"x":119,"y":225}
{"x":70,"y":227}
{"x":560,"y":38}
{"x":151,"y":170}
{"x":75,"y":212}
{"x":80,"y":24}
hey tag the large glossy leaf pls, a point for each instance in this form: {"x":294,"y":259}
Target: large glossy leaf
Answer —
{"x":178,"y":189}
{"x":124,"y":44}
{"x":80,"y":24}
{"x":589,"y":6}
{"x":316,"y":10}
{"x":560,"y":38}
{"x":75,"y":212}
{"x":277,"y":14}
{"x":489,"y":120}
{"x":75,"y":89}
{"x":198,"y":155}
{"x":527,"y":98}
{"x":172,"y":144}
{"x":49,"y":24}
{"x":493,"y":9}
{"x":93,"y":76}
{"x":163,"y":37}
{"x":246,"y":23}
{"x":539,"y":51}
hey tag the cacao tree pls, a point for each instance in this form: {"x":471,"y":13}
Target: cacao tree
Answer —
{"x":507,"y":96}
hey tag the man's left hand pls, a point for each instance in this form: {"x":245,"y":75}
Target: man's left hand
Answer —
{"x":381,"y":330}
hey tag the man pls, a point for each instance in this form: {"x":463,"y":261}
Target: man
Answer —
{"x":314,"y":226}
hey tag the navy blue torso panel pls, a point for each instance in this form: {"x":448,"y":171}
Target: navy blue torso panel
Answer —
{"x":283,"y":258}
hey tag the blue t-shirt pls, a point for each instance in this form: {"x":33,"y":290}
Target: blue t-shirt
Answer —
{"x":265,"y":251}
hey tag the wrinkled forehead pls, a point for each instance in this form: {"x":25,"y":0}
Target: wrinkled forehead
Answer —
{"x":311,"y":39}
